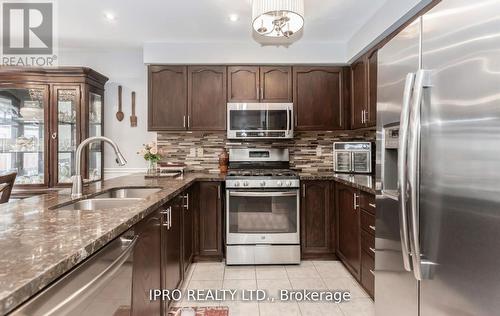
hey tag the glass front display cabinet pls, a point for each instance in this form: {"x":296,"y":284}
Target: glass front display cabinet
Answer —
{"x":44,"y":115}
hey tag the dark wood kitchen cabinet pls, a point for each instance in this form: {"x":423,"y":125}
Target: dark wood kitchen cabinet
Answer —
{"x":259,"y":84}
{"x":188,"y":229}
{"x":367,"y":223}
{"x":146,"y":271}
{"x":206,"y":98}
{"x":243,"y":84}
{"x":317,"y":220}
{"x":348,"y":228}
{"x":172,"y":269}
{"x":364,"y":91}
{"x":318,"y":98}
{"x":167,"y":104}
{"x":208,"y":221}
{"x":276,"y":84}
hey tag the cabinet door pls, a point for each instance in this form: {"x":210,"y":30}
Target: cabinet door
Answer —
{"x":348,"y":226}
{"x":209,"y":222}
{"x":207,"y":98}
{"x":243,"y":84}
{"x":317,"y":96}
{"x":276,"y":84}
{"x":317,"y":221}
{"x":65,"y":134}
{"x":187,"y":224}
{"x":146,"y":269}
{"x":372,"y":89}
{"x":167,"y":98}
{"x":359,"y":97}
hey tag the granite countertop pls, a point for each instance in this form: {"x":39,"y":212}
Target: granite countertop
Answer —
{"x":363,"y":182}
{"x":39,"y":244}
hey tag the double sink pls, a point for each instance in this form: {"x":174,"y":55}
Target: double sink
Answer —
{"x":114,"y":198}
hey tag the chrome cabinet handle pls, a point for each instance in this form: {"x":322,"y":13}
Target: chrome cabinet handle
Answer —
{"x":372,"y":272}
{"x":189,"y":120}
{"x":372,"y":249}
{"x":186,"y":205}
{"x":421,"y":82}
{"x":356,"y":205}
{"x":261,"y":93}
{"x":363,"y":117}
{"x":372,"y":227}
{"x":402,"y":172}
{"x":372,"y":205}
{"x":184,"y":121}
{"x":96,"y":282}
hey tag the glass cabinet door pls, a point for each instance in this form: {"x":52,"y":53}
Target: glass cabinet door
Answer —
{"x":67,"y":104}
{"x":22,"y":133}
{"x":95,"y":128}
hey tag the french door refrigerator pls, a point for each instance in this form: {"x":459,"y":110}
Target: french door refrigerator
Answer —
{"x":438,"y":164}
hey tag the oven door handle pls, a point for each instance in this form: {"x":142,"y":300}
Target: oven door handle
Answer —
{"x":262,"y":194}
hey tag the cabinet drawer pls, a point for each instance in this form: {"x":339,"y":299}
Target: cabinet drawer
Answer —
{"x":368,"y":222}
{"x":367,"y":202}
{"x":367,"y":276}
{"x":368,"y":243}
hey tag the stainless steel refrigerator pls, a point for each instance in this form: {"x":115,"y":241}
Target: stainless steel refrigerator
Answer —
{"x":438,"y":164}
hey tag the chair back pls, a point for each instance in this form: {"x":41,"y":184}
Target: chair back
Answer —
{"x":6,"y":185}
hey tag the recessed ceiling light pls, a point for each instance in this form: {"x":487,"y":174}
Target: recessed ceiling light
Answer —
{"x":234,"y":17}
{"x":109,"y":16}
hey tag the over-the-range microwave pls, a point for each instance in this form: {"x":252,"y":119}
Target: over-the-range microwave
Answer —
{"x":259,"y":120}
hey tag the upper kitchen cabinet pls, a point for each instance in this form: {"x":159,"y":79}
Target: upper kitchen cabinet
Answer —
{"x":318,"y":95}
{"x":243,"y":84}
{"x":364,"y":91}
{"x":206,"y":98}
{"x":167,"y":98}
{"x":259,"y":84}
{"x":276,"y":84}
{"x":44,"y":114}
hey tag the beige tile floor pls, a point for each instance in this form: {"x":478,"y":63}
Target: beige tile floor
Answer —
{"x":318,"y":275}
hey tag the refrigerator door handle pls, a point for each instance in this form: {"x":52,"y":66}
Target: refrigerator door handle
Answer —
{"x":422,"y":79}
{"x":402,"y":171}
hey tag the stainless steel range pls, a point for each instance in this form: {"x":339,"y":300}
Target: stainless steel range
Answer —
{"x":262,"y":222}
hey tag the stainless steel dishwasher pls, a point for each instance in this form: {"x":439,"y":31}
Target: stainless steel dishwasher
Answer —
{"x":100,"y":285}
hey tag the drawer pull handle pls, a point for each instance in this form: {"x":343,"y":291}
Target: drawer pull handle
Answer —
{"x":372,"y":204}
{"x":372,"y":227}
{"x":372,"y":272}
{"x":372,"y":249}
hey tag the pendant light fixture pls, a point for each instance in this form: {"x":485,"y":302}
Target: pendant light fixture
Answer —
{"x":278,"y":18}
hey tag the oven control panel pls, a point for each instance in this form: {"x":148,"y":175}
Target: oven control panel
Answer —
{"x":262,"y":183}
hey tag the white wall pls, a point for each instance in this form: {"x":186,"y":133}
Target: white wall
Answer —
{"x":244,"y":53}
{"x":388,"y":18}
{"x":124,"y":66}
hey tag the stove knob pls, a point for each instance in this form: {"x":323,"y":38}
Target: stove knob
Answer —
{"x":237,"y":184}
{"x":245,"y":183}
{"x":263,"y":183}
{"x":280,"y":183}
{"x":289,"y":183}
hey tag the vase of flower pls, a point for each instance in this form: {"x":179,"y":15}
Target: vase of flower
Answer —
{"x":152,"y":156}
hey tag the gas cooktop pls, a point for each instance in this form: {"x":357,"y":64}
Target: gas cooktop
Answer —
{"x":275,"y":173}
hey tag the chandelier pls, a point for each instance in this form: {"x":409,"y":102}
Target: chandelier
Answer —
{"x":278,"y":18}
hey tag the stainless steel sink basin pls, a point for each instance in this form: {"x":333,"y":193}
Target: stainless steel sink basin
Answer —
{"x":100,"y":204}
{"x":127,"y":193}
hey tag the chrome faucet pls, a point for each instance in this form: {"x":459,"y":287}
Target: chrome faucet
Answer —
{"x":76,"y":189}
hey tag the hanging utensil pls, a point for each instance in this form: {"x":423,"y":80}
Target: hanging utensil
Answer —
{"x":119,"y":114}
{"x":133,"y":118}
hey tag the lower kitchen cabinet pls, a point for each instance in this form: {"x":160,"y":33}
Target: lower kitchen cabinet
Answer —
{"x":146,"y":271}
{"x":317,"y":220}
{"x":367,"y":212}
{"x":348,"y":228}
{"x":208,"y":221}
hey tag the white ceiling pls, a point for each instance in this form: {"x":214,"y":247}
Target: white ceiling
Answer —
{"x":82,"y":23}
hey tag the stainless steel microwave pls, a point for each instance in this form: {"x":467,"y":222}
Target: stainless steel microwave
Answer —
{"x":352,"y":157}
{"x":259,"y":120}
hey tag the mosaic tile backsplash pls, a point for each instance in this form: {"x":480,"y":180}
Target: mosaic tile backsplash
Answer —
{"x":309,"y":151}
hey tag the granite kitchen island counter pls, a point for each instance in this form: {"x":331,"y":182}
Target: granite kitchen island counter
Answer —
{"x":39,"y":244}
{"x":360,"y":181}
